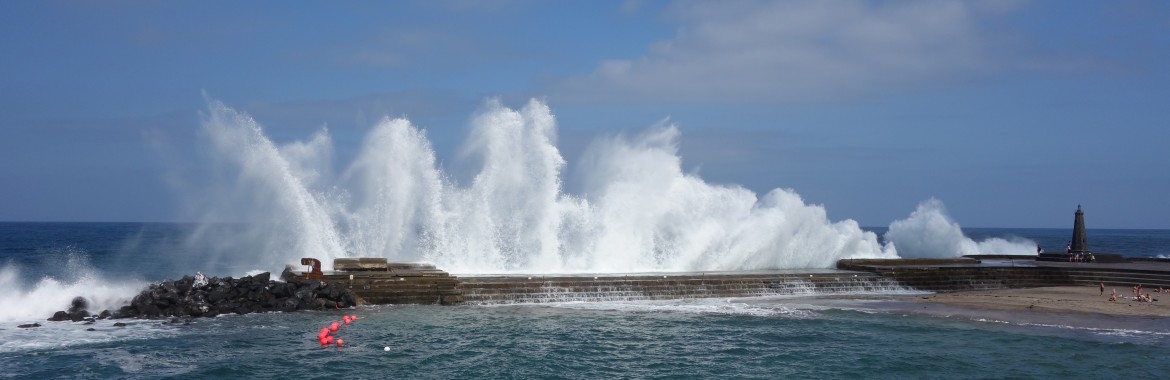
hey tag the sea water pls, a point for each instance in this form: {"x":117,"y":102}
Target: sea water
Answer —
{"x":44,"y":265}
{"x":693,"y":339}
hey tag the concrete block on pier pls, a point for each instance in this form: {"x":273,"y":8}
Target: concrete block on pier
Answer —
{"x":363,"y":264}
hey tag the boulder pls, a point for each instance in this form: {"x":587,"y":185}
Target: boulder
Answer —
{"x":78,"y":304}
{"x":60,"y":316}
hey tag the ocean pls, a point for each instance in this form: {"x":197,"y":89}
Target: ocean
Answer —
{"x":44,"y":265}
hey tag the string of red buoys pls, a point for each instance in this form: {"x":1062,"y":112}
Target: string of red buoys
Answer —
{"x":326,"y":336}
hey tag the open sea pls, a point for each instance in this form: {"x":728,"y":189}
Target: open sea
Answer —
{"x":44,"y":265}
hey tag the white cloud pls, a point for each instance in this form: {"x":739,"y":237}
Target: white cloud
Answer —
{"x":794,"y":51}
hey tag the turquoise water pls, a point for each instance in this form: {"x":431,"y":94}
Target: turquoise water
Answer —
{"x":826,"y":336}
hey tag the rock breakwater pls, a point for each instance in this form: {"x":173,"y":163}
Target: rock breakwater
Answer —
{"x":202,"y":296}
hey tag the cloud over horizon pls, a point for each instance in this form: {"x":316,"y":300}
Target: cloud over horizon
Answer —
{"x":784,"y":52}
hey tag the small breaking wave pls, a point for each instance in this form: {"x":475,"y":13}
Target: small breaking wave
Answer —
{"x":36,"y":301}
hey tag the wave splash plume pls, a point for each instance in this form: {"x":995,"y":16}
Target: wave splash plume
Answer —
{"x":636,"y":211}
{"x":930,"y":233}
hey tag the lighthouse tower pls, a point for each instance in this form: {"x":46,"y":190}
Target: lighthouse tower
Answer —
{"x":1080,"y":243}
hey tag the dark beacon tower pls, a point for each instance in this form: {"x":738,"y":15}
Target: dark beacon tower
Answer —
{"x":1080,"y":243}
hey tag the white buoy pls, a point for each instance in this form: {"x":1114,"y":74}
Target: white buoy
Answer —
{"x":387,"y":349}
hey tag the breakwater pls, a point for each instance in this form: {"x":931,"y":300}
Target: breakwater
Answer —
{"x":411,"y":283}
{"x":375,"y":281}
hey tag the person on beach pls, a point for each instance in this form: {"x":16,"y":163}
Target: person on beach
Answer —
{"x":1102,"y":287}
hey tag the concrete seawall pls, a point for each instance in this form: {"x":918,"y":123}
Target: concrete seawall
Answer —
{"x":540,"y":289}
{"x":375,"y":282}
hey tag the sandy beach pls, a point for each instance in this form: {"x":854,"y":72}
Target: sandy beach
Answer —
{"x":1062,"y":299}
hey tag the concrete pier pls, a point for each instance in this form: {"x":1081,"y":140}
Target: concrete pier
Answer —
{"x":375,"y":281}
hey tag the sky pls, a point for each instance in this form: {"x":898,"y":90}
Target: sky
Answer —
{"x":1010,"y":112}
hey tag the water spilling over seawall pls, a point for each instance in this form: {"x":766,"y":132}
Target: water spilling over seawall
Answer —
{"x":672,"y":286}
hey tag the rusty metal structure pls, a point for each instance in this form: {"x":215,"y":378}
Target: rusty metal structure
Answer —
{"x":314,"y":272}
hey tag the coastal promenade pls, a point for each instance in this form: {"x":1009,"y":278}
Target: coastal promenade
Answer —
{"x":1005,"y":272}
{"x":1020,"y":284}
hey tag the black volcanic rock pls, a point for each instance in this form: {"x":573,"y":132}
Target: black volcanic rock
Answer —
{"x":75,"y":316}
{"x":76,"y":313}
{"x":200,"y":296}
{"x":78,"y":304}
{"x":60,"y":316}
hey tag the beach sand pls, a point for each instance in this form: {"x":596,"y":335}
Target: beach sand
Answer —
{"x":1061,"y":299}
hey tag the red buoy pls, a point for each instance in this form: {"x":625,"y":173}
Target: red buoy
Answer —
{"x":340,"y":342}
{"x":334,"y":326}
{"x":324,"y":332}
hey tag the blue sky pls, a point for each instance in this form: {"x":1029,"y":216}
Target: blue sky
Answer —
{"x":1010,"y":112}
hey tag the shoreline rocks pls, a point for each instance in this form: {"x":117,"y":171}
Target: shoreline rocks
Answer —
{"x":77,"y":312}
{"x":201,"y":296}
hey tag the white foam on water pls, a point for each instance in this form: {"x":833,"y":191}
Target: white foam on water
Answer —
{"x":719,"y":306}
{"x":62,"y":335}
{"x":21,"y":303}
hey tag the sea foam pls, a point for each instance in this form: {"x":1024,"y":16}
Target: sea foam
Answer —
{"x":36,"y":301}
